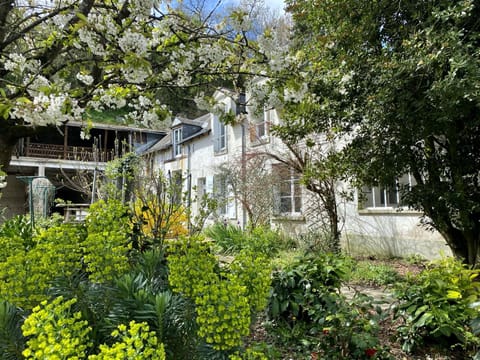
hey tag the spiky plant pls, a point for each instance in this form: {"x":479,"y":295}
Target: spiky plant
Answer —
{"x":12,"y":341}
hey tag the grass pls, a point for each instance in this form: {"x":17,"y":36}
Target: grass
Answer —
{"x":374,"y":273}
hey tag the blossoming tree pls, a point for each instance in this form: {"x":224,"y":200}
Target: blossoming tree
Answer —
{"x":62,"y":59}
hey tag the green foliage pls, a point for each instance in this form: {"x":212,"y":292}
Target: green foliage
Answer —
{"x":304,"y":286}
{"x":308,"y":311}
{"x":54,"y":332}
{"x":400,"y":82}
{"x":136,"y":342}
{"x":18,"y":226}
{"x":367,"y":272}
{"x":232,"y":239}
{"x":28,"y":268}
{"x":224,"y":300}
{"x":12,"y":342}
{"x":249,"y":354}
{"x":253,"y":271}
{"x":306,"y":302}
{"x":107,"y":245}
{"x":350,"y":329}
{"x":223,"y":313}
{"x":438,"y":304}
{"x":29,"y":264}
{"x":191,"y":266}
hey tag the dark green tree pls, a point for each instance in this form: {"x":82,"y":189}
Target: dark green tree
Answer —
{"x":397,"y":83}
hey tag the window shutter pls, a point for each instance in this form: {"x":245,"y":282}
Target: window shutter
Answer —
{"x":252,"y":132}
{"x":216,"y":134}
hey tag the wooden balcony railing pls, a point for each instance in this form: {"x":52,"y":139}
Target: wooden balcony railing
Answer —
{"x":77,"y":153}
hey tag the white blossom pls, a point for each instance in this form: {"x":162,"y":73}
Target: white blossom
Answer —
{"x":133,"y":42}
{"x":36,"y":85}
{"x":135,"y":75}
{"x":15,"y":62}
{"x":92,"y":40}
{"x":85,"y":78}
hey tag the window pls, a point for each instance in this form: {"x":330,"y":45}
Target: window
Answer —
{"x":176,"y":183}
{"x":219,"y":135}
{"x":201,"y":187}
{"x":385,"y":196}
{"x":259,"y":130}
{"x":289,"y":195}
{"x":201,"y":191}
{"x":220,"y":193}
{"x":176,"y":142}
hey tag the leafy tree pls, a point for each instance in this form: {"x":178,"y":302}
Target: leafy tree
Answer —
{"x":311,"y":157}
{"x":61,"y":60}
{"x":398,"y":83}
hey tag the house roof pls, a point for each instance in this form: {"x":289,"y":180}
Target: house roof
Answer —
{"x":202,"y":123}
{"x":163,"y":144}
{"x":116,"y":127}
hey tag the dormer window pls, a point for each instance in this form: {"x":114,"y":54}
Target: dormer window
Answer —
{"x":177,"y":139}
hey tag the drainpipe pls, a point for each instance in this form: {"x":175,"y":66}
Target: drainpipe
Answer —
{"x":189,"y":186}
{"x":244,"y":173}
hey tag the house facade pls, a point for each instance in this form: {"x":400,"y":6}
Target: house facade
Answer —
{"x":193,"y":151}
{"x":42,"y":163}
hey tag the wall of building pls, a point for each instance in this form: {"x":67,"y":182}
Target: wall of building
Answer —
{"x":389,"y":233}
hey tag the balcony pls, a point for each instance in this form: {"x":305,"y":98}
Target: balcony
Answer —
{"x":61,"y":152}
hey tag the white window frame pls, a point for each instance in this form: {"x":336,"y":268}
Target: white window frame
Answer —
{"x":261,"y":129}
{"x":219,"y":136}
{"x":294,"y":193}
{"x":381,"y":196}
{"x":176,"y":139}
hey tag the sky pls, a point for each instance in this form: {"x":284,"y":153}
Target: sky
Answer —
{"x":276,"y":4}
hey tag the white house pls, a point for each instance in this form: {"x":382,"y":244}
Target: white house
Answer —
{"x":193,"y":150}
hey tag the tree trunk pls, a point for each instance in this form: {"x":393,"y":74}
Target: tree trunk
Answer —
{"x":325,"y":190}
{"x":464,"y":244}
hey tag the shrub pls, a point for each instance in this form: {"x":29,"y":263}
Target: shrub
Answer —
{"x":53,"y":332}
{"x":18,"y":226}
{"x":306,"y":308}
{"x":304,"y":286}
{"x":107,"y":245}
{"x":157,"y":222}
{"x":12,"y":341}
{"x":191,"y":266}
{"x":253,"y":271}
{"x":136,"y":342}
{"x":224,"y":300}
{"x":438,"y":304}
{"x":27,"y":270}
{"x":232,"y":239}
{"x":350,"y":329}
